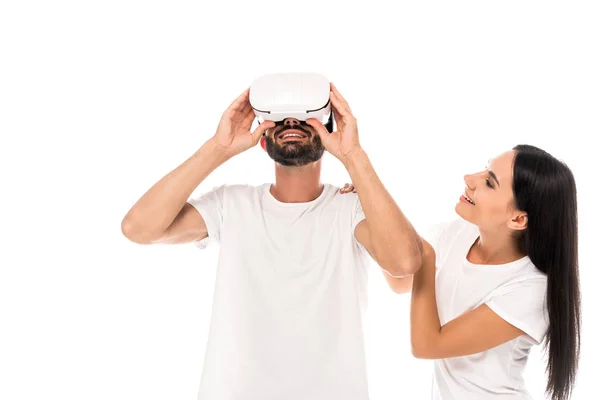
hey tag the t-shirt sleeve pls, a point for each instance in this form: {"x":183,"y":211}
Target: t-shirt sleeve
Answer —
{"x":357,"y":215}
{"x":523,"y":305}
{"x":437,"y":236}
{"x":210,"y":207}
{"x":433,"y":235}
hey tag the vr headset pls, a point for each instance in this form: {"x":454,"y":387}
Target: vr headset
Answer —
{"x":275,"y":97}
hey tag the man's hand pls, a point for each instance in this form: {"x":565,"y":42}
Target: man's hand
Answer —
{"x":233,"y":134}
{"x":344,"y":141}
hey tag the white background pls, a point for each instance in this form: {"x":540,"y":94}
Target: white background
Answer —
{"x":99,"y":100}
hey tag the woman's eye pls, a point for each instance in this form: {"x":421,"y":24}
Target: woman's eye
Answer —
{"x":487,"y":182}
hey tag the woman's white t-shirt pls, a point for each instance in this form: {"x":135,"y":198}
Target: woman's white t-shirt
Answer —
{"x":515,"y":291}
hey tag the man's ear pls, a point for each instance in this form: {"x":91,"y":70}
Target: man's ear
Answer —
{"x":263,"y":142}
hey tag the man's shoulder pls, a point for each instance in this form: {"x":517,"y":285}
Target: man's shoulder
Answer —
{"x":338,"y":195}
{"x":245,"y":186}
{"x":226,"y":191}
{"x":240,"y":188}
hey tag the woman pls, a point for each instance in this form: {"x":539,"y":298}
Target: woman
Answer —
{"x":507,"y":279}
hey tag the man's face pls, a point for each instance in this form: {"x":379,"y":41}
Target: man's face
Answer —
{"x":293,"y":143}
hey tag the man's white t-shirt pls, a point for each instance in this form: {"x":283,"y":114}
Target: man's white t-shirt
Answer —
{"x":515,"y":291}
{"x":289,"y":298}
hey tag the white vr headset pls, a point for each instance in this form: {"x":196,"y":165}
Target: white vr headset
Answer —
{"x":275,"y":97}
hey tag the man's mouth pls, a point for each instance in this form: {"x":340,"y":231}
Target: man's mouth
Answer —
{"x":292,"y":134}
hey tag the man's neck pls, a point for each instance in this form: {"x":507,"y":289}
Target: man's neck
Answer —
{"x":297,"y":184}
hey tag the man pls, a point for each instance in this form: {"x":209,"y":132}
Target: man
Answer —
{"x":290,"y":290}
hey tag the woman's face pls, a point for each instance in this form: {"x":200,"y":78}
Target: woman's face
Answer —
{"x":488,"y":200}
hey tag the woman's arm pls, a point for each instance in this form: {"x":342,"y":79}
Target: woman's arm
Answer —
{"x":473,"y":332}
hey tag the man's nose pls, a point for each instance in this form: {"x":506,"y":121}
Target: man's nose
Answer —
{"x":291,"y":122}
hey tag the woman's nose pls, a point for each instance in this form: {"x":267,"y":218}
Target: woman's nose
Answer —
{"x":469,"y":181}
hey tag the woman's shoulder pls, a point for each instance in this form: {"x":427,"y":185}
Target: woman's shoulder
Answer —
{"x":529,"y":272}
{"x":452,"y":227}
{"x":445,"y":235}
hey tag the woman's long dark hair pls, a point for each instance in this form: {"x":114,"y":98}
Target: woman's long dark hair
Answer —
{"x":544,"y":188}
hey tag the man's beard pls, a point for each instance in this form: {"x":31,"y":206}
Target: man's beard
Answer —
{"x":294,"y":153}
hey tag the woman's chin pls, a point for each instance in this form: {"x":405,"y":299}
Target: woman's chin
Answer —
{"x":460,"y":210}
